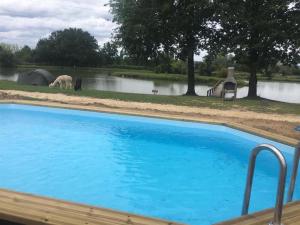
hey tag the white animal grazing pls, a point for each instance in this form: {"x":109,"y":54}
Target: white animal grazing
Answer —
{"x":64,"y":81}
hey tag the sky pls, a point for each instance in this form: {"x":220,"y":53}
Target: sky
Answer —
{"x":24,"y":22}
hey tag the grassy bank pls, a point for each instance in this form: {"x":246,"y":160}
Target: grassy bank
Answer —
{"x":257,"y":105}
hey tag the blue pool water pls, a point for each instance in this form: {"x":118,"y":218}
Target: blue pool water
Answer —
{"x":182,"y":171}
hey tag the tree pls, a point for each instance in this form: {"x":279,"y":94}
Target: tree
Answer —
{"x":25,"y":55}
{"x":215,"y":64}
{"x":10,"y":47}
{"x":109,"y":53}
{"x":148,"y":27}
{"x":259,"y":32}
{"x":69,"y":47}
{"x":137,"y":33}
{"x":7,"y":57}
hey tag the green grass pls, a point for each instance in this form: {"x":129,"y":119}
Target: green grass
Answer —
{"x":257,"y":105}
{"x":275,"y":77}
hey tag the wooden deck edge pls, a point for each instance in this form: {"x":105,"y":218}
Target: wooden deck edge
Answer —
{"x":36,"y":210}
{"x":263,"y":217}
{"x":164,"y":115}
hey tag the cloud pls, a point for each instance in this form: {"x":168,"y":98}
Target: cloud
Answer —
{"x":24,"y":22}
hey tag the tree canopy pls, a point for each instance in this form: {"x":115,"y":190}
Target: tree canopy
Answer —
{"x":7,"y":57}
{"x":148,"y":27}
{"x":69,"y":47}
{"x":109,"y":54}
{"x":259,"y":32}
{"x":24,"y":55}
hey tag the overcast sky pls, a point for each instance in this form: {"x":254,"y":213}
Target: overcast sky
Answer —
{"x":24,"y":22}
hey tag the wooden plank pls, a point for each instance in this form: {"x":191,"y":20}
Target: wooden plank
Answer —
{"x":291,"y":216}
{"x":35,"y":210}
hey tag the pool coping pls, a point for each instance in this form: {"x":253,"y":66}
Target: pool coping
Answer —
{"x":30,"y":209}
{"x":158,"y":114}
{"x":290,"y":215}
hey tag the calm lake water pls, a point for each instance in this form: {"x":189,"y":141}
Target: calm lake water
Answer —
{"x":279,"y":91}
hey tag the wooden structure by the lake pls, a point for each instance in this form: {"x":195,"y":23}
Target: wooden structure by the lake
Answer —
{"x":291,"y":216}
{"x":34,"y":210}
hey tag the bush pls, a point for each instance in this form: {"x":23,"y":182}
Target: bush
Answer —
{"x":288,"y":70}
{"x":25,"y":55}
{"x":221,"y":73}
{"x":296,"y":71}
{"x":203,"y":68}
{"x":178,"y":66}
{"x":285,"y":70}
{"x":130,"y":67}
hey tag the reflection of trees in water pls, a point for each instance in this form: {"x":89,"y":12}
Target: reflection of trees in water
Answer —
{"x":170,"y":88}
{"x":273,"y":90}
{"x":242,"y":92}
{"x":282,"y":91}
{"x":10,"y":74}
{"x":100,"y":83}
{"x":202,"y":89}
{"x":7,"y":71}
{"x":162,"y":83}
{"x":109,"y":83}
{"x":279,"y":91}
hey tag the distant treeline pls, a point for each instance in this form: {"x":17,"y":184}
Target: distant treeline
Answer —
{"x":69,"y":47}
{"x":77,"y":48}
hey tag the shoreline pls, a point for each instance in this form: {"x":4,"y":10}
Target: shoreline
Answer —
{"x":148,"y":74}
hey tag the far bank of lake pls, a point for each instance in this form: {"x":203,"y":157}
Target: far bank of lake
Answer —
{"x":104,"y":80}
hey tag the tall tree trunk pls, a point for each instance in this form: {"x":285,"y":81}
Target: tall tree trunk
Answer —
{"x":252,"y":92}
{"x":191,"y":73}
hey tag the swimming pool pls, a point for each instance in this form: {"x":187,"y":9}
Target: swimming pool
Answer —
{"x":188,"y":172}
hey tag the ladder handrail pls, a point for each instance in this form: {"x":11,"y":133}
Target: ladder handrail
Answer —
{"x":212,"y":90}
{"x":281,"y":181}
{"x":294,"y":173}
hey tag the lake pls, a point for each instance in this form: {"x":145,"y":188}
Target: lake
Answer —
{"x":279,"y":91}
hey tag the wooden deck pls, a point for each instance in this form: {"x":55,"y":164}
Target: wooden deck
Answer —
{"x":34,"y":210}
{"x":291,"y":216}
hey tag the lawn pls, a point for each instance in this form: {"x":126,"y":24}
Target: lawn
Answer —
{"x":257,"y":105}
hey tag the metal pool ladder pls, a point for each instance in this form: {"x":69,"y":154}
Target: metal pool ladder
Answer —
{"x":281,"y":181}
{"x":294,"y":173}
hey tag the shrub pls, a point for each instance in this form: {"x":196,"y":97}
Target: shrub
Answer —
{"x":221,"y":73}
{"x":178,"y":66}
